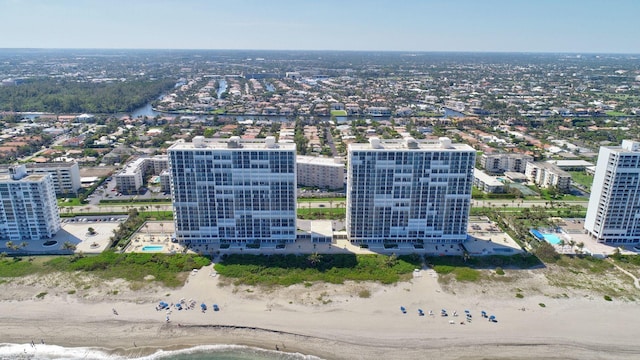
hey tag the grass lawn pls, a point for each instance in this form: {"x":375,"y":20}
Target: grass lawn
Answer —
{"x":582,"y":178}
{"x":322,"y":213}
{"x":69,"y":202}
{"x":133,"y":202}
{"x":156,"y":215}
{"x":335,"y":200}
{"x":338,"y":113}
{"x":615,"y":113}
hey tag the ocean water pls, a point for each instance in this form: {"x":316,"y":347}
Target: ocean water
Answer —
{"x":205,"y":352}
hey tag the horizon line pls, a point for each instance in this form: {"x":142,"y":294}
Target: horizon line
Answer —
{"x":330,"y":50}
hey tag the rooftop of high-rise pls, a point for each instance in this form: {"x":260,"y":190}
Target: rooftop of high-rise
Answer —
{"x":28,"y":178}
{"x":409,"y":143}
{"x":233,"y":143}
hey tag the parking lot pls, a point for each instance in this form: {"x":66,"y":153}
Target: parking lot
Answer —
{"x":108,"y":191}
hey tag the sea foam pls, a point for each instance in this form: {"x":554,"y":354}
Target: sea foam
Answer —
{"x":40,"y":351}
{"x":53,"y":352}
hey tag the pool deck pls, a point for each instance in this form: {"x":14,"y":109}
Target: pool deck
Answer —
{"x":574,"y":228}
{"x":154,"y":233}
{"x":74,"y":232}
{"x":485,"y":238}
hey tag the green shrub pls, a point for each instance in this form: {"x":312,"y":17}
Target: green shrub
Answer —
{"x":365,"y":294}
{"x":519,"y":295}
{"x":332,"y":268}
{"x":444,"y":269}
{"x":164,"y":268}
{"x":608,"y":298}
{"x":499,"y":271}
{"x":542,"y":305}
{"x":15,"y":267}
{"x":467,"y":274}
{"x":41,"y":295}
{"x":461,"y":273}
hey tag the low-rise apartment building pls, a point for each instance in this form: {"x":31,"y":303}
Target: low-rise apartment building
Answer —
{"x":323,"y":173}
{"x":547,"y":175}
{"x":499,"y":163}
{"x":130,"y":179}
{"x":65,"y":175}
{"x":486,"y":182}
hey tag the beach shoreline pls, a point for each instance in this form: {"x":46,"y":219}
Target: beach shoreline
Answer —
{"x":325,"y":320}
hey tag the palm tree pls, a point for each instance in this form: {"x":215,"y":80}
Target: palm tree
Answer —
{"x":391,"y":260}
{"x":23,"y":244}
{"x":561,"y":243}
{"x":69,"y":246}
{"x":314,"y":259}
{"x":162,"y":229}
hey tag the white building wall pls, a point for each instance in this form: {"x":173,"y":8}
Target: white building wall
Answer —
{"x":496,"y":163}
{"x":239,"y":192}
{"x":28,"y":208}
{"x":409,"y":193}
{"x":548,"y":175}
{"x":613,"y":214}
{"x":324,"y":173}
{"x":65,"y":176}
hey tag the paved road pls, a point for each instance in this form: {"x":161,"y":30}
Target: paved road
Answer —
{"x":527,"y":203}
{"x":303,"y":204}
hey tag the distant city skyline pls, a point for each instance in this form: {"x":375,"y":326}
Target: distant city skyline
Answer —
{"x":573,"y":26}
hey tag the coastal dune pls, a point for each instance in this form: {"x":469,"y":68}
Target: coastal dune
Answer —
{"x":349,"y":321}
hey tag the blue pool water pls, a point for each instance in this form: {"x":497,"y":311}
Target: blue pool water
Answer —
{"x":551,"y":239}
{"x":153,"y":248}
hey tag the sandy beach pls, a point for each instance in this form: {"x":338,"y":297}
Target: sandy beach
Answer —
{"x":329,"y":321}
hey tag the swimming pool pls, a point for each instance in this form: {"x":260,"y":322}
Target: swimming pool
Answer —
{"x":153,"y":248}
{"x":550,"y":238}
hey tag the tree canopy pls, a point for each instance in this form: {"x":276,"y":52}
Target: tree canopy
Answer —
{"x":64,"y":96}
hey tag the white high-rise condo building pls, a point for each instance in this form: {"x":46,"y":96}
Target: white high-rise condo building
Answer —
{"x":28,"y":206}
{"x":613,"y":215}
{"x":65,"y":175}
{"x":233,"y":191}
{"x":409,"y":191}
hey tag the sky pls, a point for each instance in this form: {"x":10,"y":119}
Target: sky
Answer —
{"x":573,"y":26}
